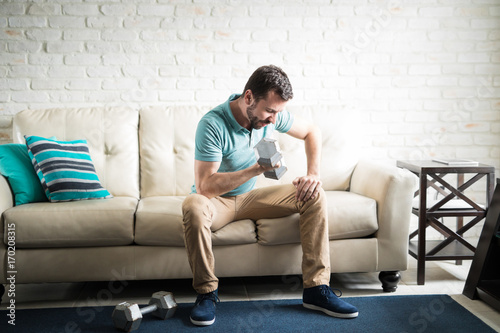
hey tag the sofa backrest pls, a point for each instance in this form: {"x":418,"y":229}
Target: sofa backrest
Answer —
{"x":166,"y":136}
{"x":340,"y":148}
{"x":111,"y":134}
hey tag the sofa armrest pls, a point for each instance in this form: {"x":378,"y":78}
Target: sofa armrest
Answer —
{"x":393,"y":189}
{"x":6,"y":195}
{"x":6,"y":202}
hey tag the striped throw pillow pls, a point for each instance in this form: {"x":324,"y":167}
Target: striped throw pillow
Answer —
{"x":65,"y":169}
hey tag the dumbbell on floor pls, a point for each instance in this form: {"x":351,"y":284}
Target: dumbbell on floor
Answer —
{"x":268,"y":154}
{"x":127,"y":317}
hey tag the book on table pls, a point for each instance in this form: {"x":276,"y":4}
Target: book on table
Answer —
{"x":455,"y":162}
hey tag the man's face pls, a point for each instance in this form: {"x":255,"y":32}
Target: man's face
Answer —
{"x":265,"y":111}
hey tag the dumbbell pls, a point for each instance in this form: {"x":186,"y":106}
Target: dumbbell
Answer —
{"x":128,"y":316}
{"x":268,"y":154}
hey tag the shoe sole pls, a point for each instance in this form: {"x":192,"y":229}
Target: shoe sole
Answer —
{"x":331,"y":313}
{"x":202,"y":323}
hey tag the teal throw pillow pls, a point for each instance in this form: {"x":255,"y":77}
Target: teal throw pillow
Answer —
{"x":15,"y":165}
{"x":65,"y":169}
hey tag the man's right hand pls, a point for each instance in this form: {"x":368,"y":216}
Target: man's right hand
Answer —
{"x":263,"y":168}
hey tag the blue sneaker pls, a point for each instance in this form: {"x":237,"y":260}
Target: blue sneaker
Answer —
{"x":203,"y":312}
{"x":322,"y":298}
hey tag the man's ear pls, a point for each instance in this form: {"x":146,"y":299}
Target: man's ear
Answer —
{"x":248,"y":97}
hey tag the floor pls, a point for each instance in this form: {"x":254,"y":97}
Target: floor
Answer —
{"x":441,"y":278}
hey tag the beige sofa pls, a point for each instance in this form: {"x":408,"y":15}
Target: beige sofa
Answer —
{"x":145,"y":159}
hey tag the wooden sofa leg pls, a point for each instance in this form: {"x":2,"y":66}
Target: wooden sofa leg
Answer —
{"x":389,"y":280}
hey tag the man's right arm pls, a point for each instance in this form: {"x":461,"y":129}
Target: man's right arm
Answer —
{"x":211,"y":183}
{"x":208,"y":150}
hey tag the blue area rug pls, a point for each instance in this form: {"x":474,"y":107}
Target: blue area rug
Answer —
{"x":427,"y":313}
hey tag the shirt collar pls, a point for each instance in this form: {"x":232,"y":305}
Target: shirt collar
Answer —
{"x":229,"y":115}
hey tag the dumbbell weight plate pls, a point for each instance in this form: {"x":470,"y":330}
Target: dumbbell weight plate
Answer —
{"x":166,"y":304}
{"x":268,"y":154}
{"x":127,"y":317}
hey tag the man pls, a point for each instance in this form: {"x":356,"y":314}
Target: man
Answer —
{"x":225,"y":175}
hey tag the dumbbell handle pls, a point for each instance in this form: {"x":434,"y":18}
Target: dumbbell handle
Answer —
{"x":148,"y":309}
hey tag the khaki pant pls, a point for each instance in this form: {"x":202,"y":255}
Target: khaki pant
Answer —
{"x":203,"y":215}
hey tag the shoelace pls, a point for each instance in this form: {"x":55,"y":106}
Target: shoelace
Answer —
{"x":210,"y":296}
{"x":326,"y":291}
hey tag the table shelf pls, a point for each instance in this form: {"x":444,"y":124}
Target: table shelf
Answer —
{"x":452,"y":251}
{"x":452,"y":212}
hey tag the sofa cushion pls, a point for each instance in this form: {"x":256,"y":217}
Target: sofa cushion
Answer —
{"x":159,"y":223}
{"x":111,"y":134}
{"x":65,"y":169}
{"x":350,"y":215}
{"x":107,"y":222}
{"x":15,"y":165}
{"x":166,"y":137}
{"x":340,"y":150}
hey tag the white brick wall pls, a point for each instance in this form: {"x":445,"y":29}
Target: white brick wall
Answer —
{"x":424,"y":76}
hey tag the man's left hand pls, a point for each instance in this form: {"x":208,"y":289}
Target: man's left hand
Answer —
{"x":307,"y":187}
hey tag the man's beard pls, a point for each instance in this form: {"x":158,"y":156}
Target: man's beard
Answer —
{"x":255,"y":123}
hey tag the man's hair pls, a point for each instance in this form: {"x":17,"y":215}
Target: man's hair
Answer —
{"x":269,"y":78}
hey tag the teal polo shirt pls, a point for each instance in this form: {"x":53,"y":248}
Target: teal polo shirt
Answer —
{"x":219,"y":138}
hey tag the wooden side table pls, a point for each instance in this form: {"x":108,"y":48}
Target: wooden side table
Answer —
{"x":454,"y":246}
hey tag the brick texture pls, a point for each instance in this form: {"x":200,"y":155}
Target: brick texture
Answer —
{"x":424,"y":76}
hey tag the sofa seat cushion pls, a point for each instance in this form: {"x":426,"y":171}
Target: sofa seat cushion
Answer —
{"x":350,"y":215}
{"x":108,"y":222}
{"x":159,"y":223}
